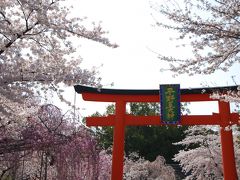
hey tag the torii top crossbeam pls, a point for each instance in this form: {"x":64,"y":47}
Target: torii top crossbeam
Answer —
{"x":208,"y":90}
{"x":121,"y":96}
{"x":130,"y":95}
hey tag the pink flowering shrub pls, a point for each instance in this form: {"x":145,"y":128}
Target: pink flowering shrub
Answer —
{"x":51,"y":147}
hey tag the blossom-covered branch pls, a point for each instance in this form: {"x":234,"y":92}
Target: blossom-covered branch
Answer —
{"x":37,"y":54}
{"x":212,"y":27}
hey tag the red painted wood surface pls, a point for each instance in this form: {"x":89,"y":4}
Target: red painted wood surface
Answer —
{"x":228,"y":158}
{"x":121,"y":119}
{"x":131,"y":120}
{"x":141,"y":98}
{"x":118,"y":142}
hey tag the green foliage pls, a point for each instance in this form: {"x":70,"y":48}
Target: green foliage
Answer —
{"x":110,"y":109}
{"x":144,"y":109}
{"x":148,"y":141}
{"x":105,"y":135}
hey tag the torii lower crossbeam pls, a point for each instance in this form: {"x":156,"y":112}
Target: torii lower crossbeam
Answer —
{"x":120,"y":120}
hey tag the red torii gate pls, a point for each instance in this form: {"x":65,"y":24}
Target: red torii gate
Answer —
{"x":224,"y":118}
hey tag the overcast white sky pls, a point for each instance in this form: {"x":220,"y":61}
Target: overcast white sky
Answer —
{"x":133,"y":65}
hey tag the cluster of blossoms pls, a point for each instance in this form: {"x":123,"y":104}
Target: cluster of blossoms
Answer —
{"x":37,"y":58}
{"x":37,"y":54}
{"x":138,"y":168}
{"x":229,"y":96}
{"x":202,"y":157}
{"x":211,"y":28}
{"x":51,"y":147}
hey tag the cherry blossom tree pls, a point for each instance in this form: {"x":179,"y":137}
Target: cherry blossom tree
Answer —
{"x":37,"y":54}
{"x":212,"y":29}
{"x":51,"y":147}
{"x":201,"y":158}
{"x":137,"y":168}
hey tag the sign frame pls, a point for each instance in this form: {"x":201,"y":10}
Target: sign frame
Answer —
{"x":170,"y":103}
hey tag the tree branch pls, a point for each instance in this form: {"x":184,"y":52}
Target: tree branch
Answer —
{"x":18,"y":36}
{"x":5,"y":19}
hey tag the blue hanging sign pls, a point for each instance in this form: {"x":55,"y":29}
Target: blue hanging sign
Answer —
{"x":170,"y":103}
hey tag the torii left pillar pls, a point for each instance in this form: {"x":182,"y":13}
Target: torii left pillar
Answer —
{"x":118,"y":141}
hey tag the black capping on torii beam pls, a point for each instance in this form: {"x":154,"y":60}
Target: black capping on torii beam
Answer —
{"x":208,"y":90}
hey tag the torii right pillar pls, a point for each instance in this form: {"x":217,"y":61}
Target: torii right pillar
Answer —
{"x":228,"y":158}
